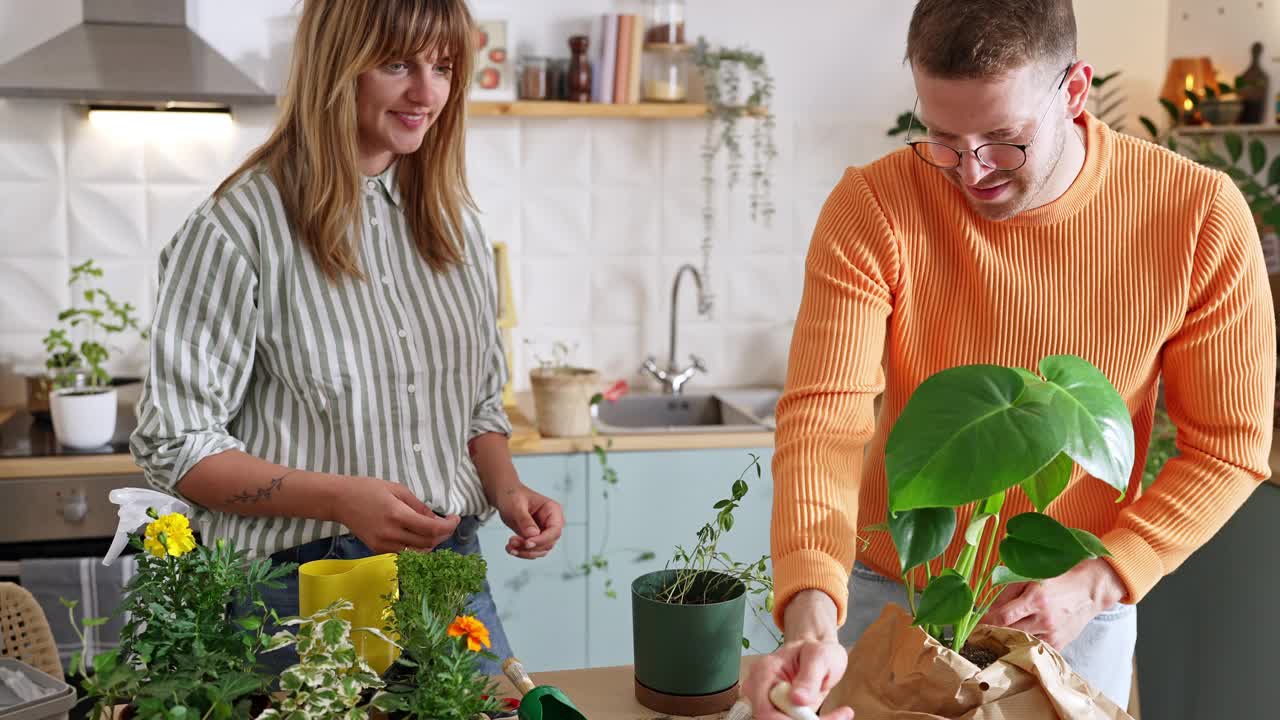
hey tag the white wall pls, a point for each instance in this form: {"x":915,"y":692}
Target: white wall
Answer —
{"x":598,"y":213}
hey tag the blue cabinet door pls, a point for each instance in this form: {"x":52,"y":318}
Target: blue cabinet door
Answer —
{"x":542,"y":603}
{"x":660,"y":500}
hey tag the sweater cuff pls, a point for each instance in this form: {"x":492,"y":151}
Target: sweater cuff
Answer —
{"x":809,"y":570}
{"x":1135,"y":561}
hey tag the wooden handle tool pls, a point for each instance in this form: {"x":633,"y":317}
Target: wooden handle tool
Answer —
{"x":514,"y":671}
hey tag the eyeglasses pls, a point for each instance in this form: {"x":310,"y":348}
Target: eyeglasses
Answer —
{"x":995,"y":156}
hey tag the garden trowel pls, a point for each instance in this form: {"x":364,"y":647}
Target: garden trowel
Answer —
{"x":541,"y":702}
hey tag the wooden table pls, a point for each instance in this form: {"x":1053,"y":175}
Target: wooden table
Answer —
{"x":605,"y":693}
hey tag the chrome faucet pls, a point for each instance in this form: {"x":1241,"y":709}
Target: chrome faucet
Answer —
{"x":672,"y":377}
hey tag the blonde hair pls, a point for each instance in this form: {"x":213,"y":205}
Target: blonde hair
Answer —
{"x":312,"y":154}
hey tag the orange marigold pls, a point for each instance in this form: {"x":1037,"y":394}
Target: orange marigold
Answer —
{"x":473,"y":630}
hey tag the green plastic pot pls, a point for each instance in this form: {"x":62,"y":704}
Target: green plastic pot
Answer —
{"x":688,"y":649}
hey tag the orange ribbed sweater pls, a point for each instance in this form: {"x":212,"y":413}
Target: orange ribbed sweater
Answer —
{"x":1149,"y":264}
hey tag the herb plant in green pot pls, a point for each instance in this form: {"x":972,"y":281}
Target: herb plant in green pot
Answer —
{"x":968,"y":438}
{"x":687,"y":621}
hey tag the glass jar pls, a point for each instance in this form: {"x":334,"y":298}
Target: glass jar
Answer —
{"x":558,"y":79}
{"x":665,"y":72}
{"x":533,"y":78}
{"x":665,"y":22}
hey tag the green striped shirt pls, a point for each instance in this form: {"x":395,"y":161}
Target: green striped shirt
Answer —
{"x":253,"y":349}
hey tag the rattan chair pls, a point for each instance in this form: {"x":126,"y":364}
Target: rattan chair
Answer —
{"x":24,"y":630}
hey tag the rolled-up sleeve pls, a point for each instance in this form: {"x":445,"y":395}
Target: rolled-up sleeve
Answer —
{"x":202,"y":348}
{"x":489,"y":415}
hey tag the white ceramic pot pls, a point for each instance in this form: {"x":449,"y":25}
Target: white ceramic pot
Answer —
{"x":81,"y":419}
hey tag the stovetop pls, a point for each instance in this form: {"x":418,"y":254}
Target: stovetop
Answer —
{"x":29,"y":436}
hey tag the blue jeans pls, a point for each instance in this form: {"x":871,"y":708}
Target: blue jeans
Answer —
{"x":1102,"y":654}
{"x":464,"y":541}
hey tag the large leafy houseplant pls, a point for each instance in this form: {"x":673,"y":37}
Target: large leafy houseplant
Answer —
{"x":967,"y":437}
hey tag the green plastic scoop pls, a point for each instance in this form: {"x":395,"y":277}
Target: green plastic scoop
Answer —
{"x":540,"y":702}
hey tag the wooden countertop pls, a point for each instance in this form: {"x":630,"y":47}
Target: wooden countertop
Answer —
{"x":525,"y":440}
{"x":605,"y":693}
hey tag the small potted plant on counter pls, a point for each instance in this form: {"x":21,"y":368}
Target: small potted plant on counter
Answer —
{"x":562,"y":394}
{"x":687,"y":622}
{"x":968,"y":437}
{"x":82,"y":401}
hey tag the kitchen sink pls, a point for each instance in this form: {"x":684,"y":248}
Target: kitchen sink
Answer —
{"x":726,"y":411}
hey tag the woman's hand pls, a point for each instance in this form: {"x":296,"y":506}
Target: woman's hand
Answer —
{"x":536,"y":519}
{"x":388,"y":518}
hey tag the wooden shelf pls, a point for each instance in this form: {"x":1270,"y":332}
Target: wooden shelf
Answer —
{"x":561,"y":109}
{"x":1220,"y":129}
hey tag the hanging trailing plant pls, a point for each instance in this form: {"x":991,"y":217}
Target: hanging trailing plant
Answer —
{"x":726,"y":74}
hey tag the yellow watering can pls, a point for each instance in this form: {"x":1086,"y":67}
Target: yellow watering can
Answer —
{"x":365,"y":583}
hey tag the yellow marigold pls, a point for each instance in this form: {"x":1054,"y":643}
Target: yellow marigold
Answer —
{"x":178,"y":538}
{"x":472,"y":629}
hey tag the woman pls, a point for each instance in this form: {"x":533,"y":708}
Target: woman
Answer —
{"x":326,"y":375}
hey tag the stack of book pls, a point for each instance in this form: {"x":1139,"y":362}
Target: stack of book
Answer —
{"x":617,"y":42}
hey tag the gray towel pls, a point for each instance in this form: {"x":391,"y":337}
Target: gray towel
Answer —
{"x":98,"y":589}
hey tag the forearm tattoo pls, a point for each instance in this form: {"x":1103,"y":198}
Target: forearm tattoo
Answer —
{"x":255,"y":495}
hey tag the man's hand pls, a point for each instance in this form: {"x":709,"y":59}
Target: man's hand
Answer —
{"x":812,"y":660}
{"x":536,"y":520}
{"x":1056,"y":610}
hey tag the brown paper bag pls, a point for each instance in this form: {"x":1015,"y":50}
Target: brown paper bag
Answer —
{"x":899,"y":672}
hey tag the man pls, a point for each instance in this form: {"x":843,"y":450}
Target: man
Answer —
{"x":1018,"y":227}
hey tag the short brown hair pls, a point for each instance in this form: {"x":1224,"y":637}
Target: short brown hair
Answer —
{"x":973,"y":39}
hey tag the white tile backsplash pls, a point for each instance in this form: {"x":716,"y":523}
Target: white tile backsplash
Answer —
{"x":33,"y":219}
{"x":598,"y":214}
{"x":623,"y":292}
{"x":626,"y":155}
{"x":108,"y":220}
{"x":553,"y":154}
{"x":624,"y":223}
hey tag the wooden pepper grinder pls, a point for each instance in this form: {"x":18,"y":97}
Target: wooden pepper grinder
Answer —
{"x":579,"y":70}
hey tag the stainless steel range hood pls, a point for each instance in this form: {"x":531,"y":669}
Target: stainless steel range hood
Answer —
{"x":131,"y":53}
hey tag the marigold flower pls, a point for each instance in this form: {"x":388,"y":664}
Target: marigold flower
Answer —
{"x":169,"y":534}
{"x":472,"y":629}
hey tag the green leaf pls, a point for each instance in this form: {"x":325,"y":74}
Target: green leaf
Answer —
{"x":965,"y":434}
{"x":1257,"y":155}
{"x":973,"y":533}
{"x":1046,"y":485}
{"x":1099,"y":431}
{"x":1195,"y":99}
{"x":250,"y":623}
{"x":721,"y":504}
{"x":746,"y":644}
{"x":94,"y":622}
{"x":1235,"y":145}
{"x":1037,"y":546}
{"x":1004,"y":576}
{"x":878,"y":527}
{"x":1173,"y":110}
{"x":1091,"y":543}
{"x":1209,"y":93}
{"x":1273,"y":173}
{"x":945,"y":601}
{"x":1150,"y":126}
{"x":922,"y":534}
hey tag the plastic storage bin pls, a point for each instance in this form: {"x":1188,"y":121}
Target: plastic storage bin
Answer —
{"x":51,"y":707}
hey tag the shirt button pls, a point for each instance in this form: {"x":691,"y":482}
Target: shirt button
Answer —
{"x":403,"y":334}
{"x":417,"y":447}
{"x":386,"y":279}
{"x":413,"y":389}
{"x":373,"y":222}
{"x":373,"y":185}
